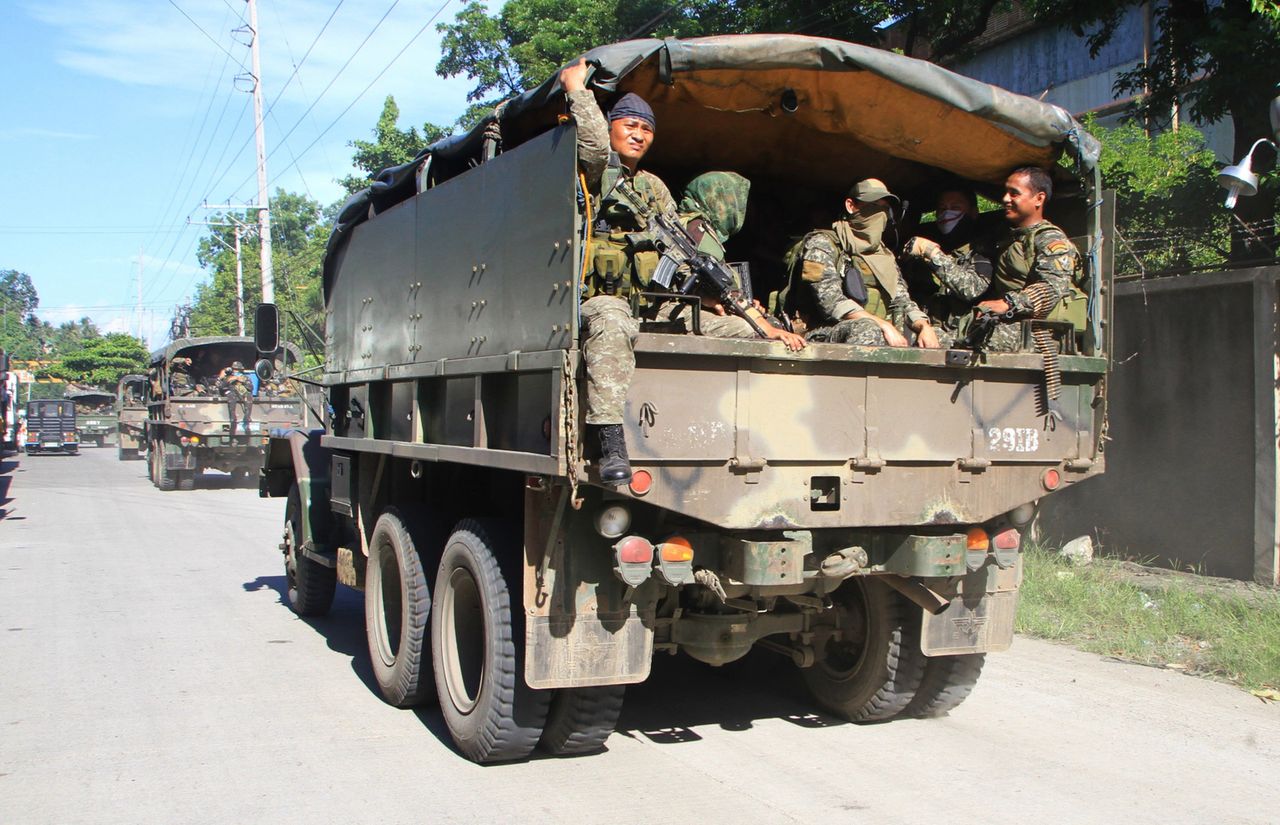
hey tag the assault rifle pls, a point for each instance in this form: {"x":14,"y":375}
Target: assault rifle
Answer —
{"x":678,"y":250}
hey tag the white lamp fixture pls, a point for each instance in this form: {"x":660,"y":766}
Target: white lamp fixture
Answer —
{"x":1240,"y":179}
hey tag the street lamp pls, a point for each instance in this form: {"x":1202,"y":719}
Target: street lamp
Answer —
{"x":1240,"y":179}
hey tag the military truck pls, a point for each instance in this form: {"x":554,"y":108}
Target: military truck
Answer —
{"x":131,"y":417}
{"x":51,"y":427}
{"x":859,"y":511}
{"x":8,"y":406}
{"x":189,"y":427}
{"x":95,"y":415}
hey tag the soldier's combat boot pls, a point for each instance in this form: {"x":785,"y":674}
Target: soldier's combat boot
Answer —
{"x":615,"y":465}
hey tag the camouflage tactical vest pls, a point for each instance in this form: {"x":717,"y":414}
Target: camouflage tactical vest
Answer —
{"x":1015,"y":261}
{"x":623,"y":257}
{"x":857,"y":274}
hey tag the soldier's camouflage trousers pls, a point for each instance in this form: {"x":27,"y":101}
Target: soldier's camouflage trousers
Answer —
{"x":711,"y":324}
{"x":861,"y":331}
{"x":608,"y":333}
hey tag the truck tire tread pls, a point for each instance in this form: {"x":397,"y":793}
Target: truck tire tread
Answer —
{"x":581,"y":719}
{"x":948,"y":681}
{"x":406,"y":680}
{"x":507,"y":718}
{"x":311,"y":585}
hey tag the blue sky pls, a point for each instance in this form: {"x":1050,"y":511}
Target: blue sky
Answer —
{"x":120,"y":117}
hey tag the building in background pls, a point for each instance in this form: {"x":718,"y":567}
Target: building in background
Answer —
{"x":1053,"y":64}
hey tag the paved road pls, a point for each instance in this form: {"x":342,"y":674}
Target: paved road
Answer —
{"x":151,"y":674}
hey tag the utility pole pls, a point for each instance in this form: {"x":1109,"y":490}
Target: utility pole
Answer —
{"x":238,"y":228}
{"x":264,"y":212}
{"x":139,"y":292}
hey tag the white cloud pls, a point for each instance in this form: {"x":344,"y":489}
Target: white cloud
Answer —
{"x":32,"y":133}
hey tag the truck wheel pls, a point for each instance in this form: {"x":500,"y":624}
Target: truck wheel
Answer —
{"x":186,"y":479}
{"x":581,"y":719}
{"x":311,"y":584}
{"x":397,"y":610}
{"x":164,"y":477}
{"x":948,"y":681}
{"x":873,"y":672}
{"x":477,"y":643}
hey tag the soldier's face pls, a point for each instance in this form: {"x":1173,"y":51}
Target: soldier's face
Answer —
{"x":1022,"y":203}
{"x":630,"y":137}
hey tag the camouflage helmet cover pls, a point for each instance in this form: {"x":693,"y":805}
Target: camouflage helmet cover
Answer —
{"x":720,"y":198}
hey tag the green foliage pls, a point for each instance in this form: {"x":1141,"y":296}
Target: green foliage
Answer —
{"x":392,"y":146}
{"x":1168,"y":205}
{"x":1232,"y":635}
{"x":102,"y":360}
{"x":299,"y":230}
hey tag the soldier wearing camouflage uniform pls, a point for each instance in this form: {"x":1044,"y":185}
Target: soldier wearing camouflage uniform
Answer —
{"x":713,"y":209}
{"x":609,"y":154}
{"x":956,"y":259}
{"x":1037,"y":266}
{"x":235,"y":387}
{"x":180,"y":380}
{"x":849,"y":289}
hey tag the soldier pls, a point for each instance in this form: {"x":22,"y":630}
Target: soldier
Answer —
{"x":850,"y":290}
{"x":713,"y":209}
{"x":956,"y":259}
{"x":180,"y":380}
{"x":609,"y":154}
{"x":1036,"y":266}
{"x":234,"y":386}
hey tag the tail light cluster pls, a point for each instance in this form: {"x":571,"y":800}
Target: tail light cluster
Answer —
{"x":636,"y":558}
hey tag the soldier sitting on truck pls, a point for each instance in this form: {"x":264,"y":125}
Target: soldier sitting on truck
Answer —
{"x":713,"y":209}
{"x":180,"y":380}
{"x":846,"y":285}
{"x":234,"y":386}
{"x":1037,"y":267}
{"x":608,"y":155}
{"x":954,"y":255}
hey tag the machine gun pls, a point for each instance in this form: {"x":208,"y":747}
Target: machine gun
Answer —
{"x":678,"y":250}
{"x":984,"y":324}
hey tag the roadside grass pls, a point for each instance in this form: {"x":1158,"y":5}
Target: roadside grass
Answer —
{"x":1171,"y":623}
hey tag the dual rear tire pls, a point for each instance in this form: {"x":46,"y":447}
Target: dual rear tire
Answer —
{"x":876,"y":670}
{"x":461,"y":641}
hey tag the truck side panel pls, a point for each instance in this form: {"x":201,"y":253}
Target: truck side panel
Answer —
{"x":483,"y":264}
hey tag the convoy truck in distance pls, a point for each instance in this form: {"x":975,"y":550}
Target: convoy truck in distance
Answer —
{"x":190,"y":426}
{"x":51,"y":427}
{"x":859,"y":511}
{"x":95,"y":415}
{"x":8,"y":406}
{"x":131,"y":417}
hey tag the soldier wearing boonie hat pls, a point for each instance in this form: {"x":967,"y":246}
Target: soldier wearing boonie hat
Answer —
{"x":845,"y":282}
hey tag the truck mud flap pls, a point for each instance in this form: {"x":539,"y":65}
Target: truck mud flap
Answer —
{"x":982,"y":625}
{"x":587,"y":650}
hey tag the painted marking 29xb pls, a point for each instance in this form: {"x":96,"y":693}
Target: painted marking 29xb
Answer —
{"x":1013,"y":439}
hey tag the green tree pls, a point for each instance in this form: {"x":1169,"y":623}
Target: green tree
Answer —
{"x":1213,"y":60}
{"x":102,"y":361}
{"x":299,"y":230}
{"x":1168,"y":210}
{"x":391,"y":146}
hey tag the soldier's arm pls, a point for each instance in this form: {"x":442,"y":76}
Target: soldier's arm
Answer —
{"x":1056,"y":259}
{"x":819,"y":274}
{"x":966,"y":278}
{"x":593,"y":130}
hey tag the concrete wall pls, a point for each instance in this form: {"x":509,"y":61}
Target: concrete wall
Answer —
{"x":1191,"y":464}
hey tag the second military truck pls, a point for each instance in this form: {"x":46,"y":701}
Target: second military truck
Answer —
{"x":858,"y":511}
{"x":207,"y":411}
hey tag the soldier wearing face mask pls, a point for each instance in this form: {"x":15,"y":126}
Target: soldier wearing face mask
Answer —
{"x":957,"y":260}
{"x":848,"y":288}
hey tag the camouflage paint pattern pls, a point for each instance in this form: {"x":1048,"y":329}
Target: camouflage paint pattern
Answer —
{"x":608,"y":330}
{"x":1035,"y":254}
